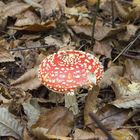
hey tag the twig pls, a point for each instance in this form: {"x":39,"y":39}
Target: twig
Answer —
{"x":100,"y":125}
{"x":129,"y":127}
{"x":126,"y":48}
{"x":112,"y":9}
{"x":126,"y":2}
{"x":94,"y":22}
{"x":22,"y":49}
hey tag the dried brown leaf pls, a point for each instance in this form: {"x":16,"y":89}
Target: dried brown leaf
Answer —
{"x":91,"y":2}
{"x":28,"y":81}
{"x":50,"y":40}
{"x":123,"y":134}
{"x":135,"y":14}
{"x":27,"y":18}
{"x":132,"y":68}
{"x":41,"y":134}
{"x":112,"y":72}
{"x":37,"y":27}
{"x":9,"y":126}
{"x":51,"y":6}
{"x":90,"y":105}
{"x":14,"y":8}
{"x":130,"y":32}
{"x":83,"y":25}
{"x":112,"y":117}
{"x":84,"y":135}
{"x":127,"y":93}
{"x":85,"y":29}
{"x":136,"y":3}
{"x":58,"y":121}
{"x":3,"y":22}
{"x":33,"y":3}
{"x":32,"y":111}
{"x":5,"y":55}
{"x":102,"y":32}
{"x":26,"y":135}
{"x":123,"y":12}
{"x":80,"y":11}
{"x":103,"y":48}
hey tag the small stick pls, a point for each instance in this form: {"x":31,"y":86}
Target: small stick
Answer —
{"x":100,"y":125}
{"x":126,"y":48}
{"x":22,"y":49}
{"x":94,"y":22}
{"x":129,"y":127}
{"x":112,"y":9}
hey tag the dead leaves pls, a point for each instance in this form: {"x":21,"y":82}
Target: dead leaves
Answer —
{"x":5,"y":56}
{"x":60,"y":125}
{"x":9,"y":126}
{"x":127,"y":93}
{"x":34,"y":29}
{"x":13,"y":8}
{"x":28,"y":81}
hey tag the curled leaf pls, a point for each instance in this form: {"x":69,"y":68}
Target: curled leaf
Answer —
{"x":9,"y":126}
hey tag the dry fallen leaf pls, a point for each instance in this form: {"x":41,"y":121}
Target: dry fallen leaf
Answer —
{"x":9,"y":126}
{"x":58,"y":121}
{"x":33,"y":3}
{"x":90,"y":105}
{"x":52,"y":6}
{"x":27,"y":18}
{"x":28,"y":81}
{"x":132,"y":68}
{"x":50,"y":40}
{"x":136,"y":3}
{"x":80,"y":12}
{"x":127,"y":93}
{"x":103,"y":48}
{"x":102,"y":32}
{"x":13,"y":8}
{"x":5,"y":55}
{"x":122,"y":11}
{"x":91,"y":2}
{"x":123,"y":134}
{"x":84,"y":135}
{"x":112,"y":72}
{"x":112,"y":117}
{"x":30,"y":30}
{"x":37,"y":27}
{"x":32,"y":111}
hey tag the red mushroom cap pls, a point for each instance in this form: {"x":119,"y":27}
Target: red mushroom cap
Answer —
{"x":65,"y":70}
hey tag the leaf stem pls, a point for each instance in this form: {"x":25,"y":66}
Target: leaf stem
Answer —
{"x":101,"y":126}
{"x":112,"y":10}
{"x":94,"y":22}
{"x":126,"y":48}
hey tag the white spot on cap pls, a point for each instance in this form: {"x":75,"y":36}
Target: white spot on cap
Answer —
{"x":62,"y":75}
{"x":56,"y":72}
{"x":69,"y":81}
{"x":86,"y":60}
{"x":71,"y":68}
{"x":85,"y":64}
{"x":77,"y":66}
{"x":56,"y":68}
{"x":53,"y":81}
{"x":77,"y":76}
{"x":89,"y":67}
{"x":63,"y":83}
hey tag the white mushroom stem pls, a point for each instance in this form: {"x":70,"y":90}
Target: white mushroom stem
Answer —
{"x":71,"y":102}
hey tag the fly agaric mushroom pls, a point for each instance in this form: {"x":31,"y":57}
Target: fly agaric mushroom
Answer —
{"x":64,"y":71}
